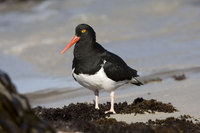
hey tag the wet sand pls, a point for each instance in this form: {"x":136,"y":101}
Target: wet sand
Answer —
{"x":158,"y":35}
{"x":163,"y":35}
{"x":183,"y":94}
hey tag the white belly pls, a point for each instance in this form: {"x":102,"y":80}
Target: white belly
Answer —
{"x":97,"y":81}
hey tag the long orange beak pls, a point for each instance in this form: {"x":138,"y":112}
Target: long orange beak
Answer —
{"x":73,"y":41}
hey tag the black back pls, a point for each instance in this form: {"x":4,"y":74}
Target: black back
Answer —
{"x":89,"y":57}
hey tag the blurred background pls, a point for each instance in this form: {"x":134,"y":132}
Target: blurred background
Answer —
{"x":151,"y":36}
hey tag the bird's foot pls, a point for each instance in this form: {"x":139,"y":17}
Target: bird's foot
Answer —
{"x":97,"y":107}
{"x":110,"y":111}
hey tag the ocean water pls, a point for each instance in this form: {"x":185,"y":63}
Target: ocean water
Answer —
{"x":151,"y":36}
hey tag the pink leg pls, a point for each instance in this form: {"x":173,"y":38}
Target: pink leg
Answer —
{"x":97,"y":99}
{"x":112,"y":94}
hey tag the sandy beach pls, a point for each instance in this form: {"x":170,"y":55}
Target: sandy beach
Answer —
{"x":160,"y":39}
{"x":184,"y":95}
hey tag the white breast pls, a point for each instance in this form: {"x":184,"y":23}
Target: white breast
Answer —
{"x":97,"y":81}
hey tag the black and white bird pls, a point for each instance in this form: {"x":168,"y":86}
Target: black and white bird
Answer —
{"x":96,"y":68}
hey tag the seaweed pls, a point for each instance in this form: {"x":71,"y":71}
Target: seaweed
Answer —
{"x":85,"y":118}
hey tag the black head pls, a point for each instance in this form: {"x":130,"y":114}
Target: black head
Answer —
{"x":84,"y":31}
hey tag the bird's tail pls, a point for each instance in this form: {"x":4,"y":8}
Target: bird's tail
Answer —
{"x":135,"y":81}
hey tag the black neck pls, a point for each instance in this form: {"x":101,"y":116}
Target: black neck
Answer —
{"x":83,"y":48}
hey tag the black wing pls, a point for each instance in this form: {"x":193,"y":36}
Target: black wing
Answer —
{"x":116,"y":69}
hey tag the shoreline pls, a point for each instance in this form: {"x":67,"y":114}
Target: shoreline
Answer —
{"x":182,"y":94}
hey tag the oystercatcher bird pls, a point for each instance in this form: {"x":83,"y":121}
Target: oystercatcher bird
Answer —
{"x":96,"y":68}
